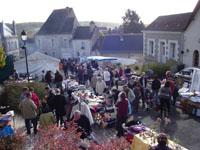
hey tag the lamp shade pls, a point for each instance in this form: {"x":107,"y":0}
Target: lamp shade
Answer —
{"x":23,"y":36}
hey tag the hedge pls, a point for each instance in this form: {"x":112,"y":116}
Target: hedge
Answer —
{"x":161,"y":68}
{"x":10,"y":94}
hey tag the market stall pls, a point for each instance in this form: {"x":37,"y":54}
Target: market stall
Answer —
{"x":5,"y":123}
{"x":145,"y":140}
{"x":92,"y":106}
{"x":189,"y":92}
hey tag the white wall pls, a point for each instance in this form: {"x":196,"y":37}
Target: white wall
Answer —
{"x":77,"y":45}
{"x":54,"y":45}
{"x":192,"y":40}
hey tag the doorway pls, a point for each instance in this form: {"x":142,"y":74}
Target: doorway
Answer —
{"x":163,"y":52}
{"x":196,"y":58}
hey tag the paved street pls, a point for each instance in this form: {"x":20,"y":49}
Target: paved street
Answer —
{"x":183,"y":126}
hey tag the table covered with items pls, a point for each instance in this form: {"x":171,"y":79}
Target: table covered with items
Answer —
{"x":190,"y":103}
{"x":95,"y":108}
{"x":145,"y":138}
{"x":5,"y":122}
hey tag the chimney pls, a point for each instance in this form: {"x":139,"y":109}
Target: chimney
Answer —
{"x":14,"y":28}
{"x":121,"y":29}
{"x":92,"y":26}
{"x":3,"y":29}
{"x":67,"y":11}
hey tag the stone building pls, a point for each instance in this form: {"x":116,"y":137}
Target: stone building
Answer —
{"x":9,"y":40}
{"x":174,"y":37}
{"x":61,"y":36}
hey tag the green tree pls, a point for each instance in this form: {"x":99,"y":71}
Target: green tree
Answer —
{"x":132,"y":22}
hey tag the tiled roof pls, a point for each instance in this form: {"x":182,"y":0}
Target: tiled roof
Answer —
{"x":111,"y":44}
{"x":196,"y":9}
{"x":5,"y":31}
{"x":177,"y":22}
{"x":57,"y":23}
{"x":83,"y":33}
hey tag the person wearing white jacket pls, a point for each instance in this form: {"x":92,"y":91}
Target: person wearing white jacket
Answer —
{"x":100,"y":86}
{"x":106,"y":76}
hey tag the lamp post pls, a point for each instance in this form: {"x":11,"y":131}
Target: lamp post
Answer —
{"x":24,"y":38}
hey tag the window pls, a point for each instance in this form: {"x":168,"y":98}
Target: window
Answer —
{"x":8,"y":46}
{"x":196,"y":58}
{"x":163,"y":48}
{"x":173,"y":49}
{"x":65,"y":43}
{"x":70,"y":44}
{"x":15,"y":45}
{"x":39,"y":43}
{"x":53,"y":54}
{"x":151,"y":47}
{"x":52,"y":43}
{"x":82,"y":45}
{"x":46,"y":53}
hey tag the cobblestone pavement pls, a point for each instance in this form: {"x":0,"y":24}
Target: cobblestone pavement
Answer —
{"x":183,"y":126}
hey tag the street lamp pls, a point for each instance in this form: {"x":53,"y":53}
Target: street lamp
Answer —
{"x":24,"y":38}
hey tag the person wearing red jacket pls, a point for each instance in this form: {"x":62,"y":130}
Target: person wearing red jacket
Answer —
{"x":168,"y":78}
{"x":34,"y":97}
{"x":122,"y":113}
{"x":120,"y":72}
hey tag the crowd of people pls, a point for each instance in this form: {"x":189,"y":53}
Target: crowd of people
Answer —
{"x":152,"y":94}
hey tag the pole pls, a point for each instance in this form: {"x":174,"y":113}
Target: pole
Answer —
{"x":26,"y":60}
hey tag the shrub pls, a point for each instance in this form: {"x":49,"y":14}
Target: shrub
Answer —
{"x":160,"y":68}
{"x":10,"y":95}
{"x":136,"y":68}
{"x":53,"y":138}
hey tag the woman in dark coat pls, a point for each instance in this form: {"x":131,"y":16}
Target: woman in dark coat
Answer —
{"x":59,"y":105}
{"x":165,"y":96}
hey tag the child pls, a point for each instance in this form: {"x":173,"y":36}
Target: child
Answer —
{"x":149,"y":101}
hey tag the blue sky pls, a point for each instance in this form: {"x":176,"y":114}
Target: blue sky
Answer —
{"x":87,"y":10}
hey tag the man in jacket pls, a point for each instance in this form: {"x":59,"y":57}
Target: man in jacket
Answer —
{"x":84,"y":126}
{"x":106,"y":76}
{"x":58,"y":80}
{"x":50,"y":98}
{"x":49,"y":78}
{"x":94,"y":82}
{"x":59,"y":105}
{"x":28,"y":110}
{"x":155,"y":87}
{"x":129,"y":94}
{"x":143,"y":82}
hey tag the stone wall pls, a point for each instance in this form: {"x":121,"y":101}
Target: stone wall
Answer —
{"x":166,"y":37}
{"x":192,"y":41}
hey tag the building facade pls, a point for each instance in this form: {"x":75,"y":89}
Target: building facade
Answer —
{"x":192,"y":39}
{"x":9,"y":40}
{"x":61,"y":36}
{"x":174,"y":37}
{"x":164,"y":38}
